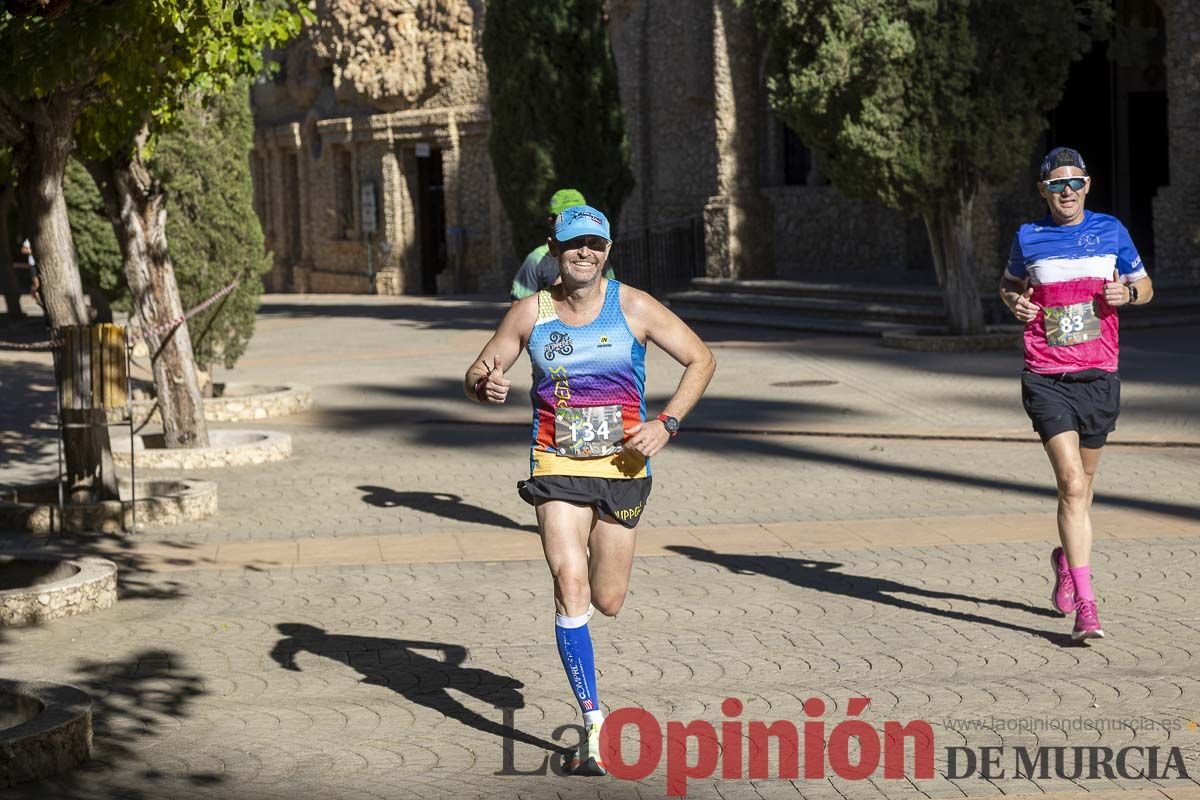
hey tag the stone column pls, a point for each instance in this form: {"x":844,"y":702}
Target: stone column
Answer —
{"x":370,"y":159}
{"x":276,"y":160}
{"x":389,"y":279}
{"x":738,"y":220}
{"x":452,"y":180}
{"x":1177,"y":207}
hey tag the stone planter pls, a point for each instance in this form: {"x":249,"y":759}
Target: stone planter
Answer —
{"x":34,"y":509}
{"x":45,"y":729}
{"x":227,"y":448}
{"x":38,"y":588}
{"x":234,"y":402}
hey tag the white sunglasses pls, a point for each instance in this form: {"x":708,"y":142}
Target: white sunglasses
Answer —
{"x":1059,"y":185}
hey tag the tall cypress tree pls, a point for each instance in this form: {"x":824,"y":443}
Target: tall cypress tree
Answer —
{"x":96,"y":245}
{"x":556,"y":110}
{"x":215,"y":236}
{"x":204,"y":166}
{"x":920,"y":104}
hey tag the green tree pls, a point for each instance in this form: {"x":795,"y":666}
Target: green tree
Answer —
{"x":108,"y":77}
{"x":97,"y":251}
{"x":918,"y":103}
{"x":204,"y":167}
{"x":556,"y":110}
{"x":202,"y":164}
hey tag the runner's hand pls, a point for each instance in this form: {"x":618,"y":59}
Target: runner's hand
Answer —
{"x":647,"y":437}
{"x":1116,"y":293}
{"x":1025,"y":309}
{"x":496,"y":388}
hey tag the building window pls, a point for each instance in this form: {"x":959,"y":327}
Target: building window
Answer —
{"x":799,"y":163}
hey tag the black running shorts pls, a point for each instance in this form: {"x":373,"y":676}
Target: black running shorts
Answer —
{"x":623,"y":499}
{"x":1086,"y":402}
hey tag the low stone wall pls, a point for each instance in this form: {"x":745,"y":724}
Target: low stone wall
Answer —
{"x":34,"y":509}
{"x":52,"y":731}
{"x":227,"y":448}
{"x":53,"y":587}
{"x":238,"y":402}
{"x":819,"y":234}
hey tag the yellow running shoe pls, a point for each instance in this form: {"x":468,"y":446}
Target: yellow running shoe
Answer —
{"x":586,"y":760}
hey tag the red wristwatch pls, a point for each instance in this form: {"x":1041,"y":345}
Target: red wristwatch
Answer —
{"x":670,"y":423}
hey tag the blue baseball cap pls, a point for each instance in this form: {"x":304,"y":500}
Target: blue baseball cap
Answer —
{"x":580,"y":221}
{"x":1061,"y":157}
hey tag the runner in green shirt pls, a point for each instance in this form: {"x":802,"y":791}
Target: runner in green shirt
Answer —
{"x":540,"y":269}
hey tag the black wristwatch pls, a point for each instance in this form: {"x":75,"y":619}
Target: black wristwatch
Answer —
{"x":1133,"y":294}
{"x":670,"y":423}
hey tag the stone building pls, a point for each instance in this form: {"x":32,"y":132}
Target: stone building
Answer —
{"x":372,"y":171}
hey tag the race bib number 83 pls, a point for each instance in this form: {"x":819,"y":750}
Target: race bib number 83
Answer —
{"x":588,"y":432}
{"x":1073,"y":324}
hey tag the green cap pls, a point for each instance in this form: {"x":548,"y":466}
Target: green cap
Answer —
{"x":564,"y":199}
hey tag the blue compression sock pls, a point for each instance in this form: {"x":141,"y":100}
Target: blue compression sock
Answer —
{"x":575,"y":650}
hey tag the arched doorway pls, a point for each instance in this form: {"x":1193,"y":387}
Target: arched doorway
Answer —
{"x":1114,"y":111}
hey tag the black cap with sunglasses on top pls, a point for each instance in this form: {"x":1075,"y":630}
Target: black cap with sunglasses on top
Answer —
{"x":1061,"y":157}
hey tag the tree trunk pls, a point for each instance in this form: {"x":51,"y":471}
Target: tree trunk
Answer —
{"x":138,"y":212}
{"x":949,"y":229}
{"x":42,"y":162}
{"x":8,"y":276}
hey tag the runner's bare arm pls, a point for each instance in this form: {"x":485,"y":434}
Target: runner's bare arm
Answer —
{"x":653,"y":321}
{"x":1016,"y":295}
{"x":1145,"y":290}
{"x":500,"y":353}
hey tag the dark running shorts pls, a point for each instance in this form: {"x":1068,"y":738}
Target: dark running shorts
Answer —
{"x":623,"y":499}
{"x":1087,"y":402}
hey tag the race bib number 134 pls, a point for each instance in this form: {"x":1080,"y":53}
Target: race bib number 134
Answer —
{"x":588,"y":432}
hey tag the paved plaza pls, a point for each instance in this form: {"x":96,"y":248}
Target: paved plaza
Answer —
{"x":837,"y":520}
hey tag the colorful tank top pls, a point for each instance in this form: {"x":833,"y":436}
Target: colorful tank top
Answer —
{"x":588,"y":385}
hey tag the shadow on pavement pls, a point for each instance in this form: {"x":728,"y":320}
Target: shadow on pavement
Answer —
{"x":764,"y":446}
{"x":820,"y":576}
{"x":418,"y":678}
{"x":460,"y":313}
{"x":136,"y":701}
{"x":28,"y":392}
{"x":133,"y":580}
{"x":441,"y":504}
{"x":437,"y":433}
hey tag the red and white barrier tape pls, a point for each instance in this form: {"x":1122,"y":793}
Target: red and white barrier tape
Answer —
{"x":136,"y":336}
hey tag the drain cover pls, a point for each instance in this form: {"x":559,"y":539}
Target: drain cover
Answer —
{"x":803,"y":384}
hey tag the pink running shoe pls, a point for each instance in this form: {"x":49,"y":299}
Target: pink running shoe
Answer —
{"x":1087,"y":624}
{"x":1062,"y":599}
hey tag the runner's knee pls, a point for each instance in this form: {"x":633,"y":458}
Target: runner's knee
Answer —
{"x":572,"y":587}
{"x":1074,"y":487}
{"x":608,"y":603}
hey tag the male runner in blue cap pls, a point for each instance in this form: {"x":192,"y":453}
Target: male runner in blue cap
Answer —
{"x":589,"y":461}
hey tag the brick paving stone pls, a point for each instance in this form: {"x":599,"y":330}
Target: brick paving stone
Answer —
{"x":383,"y":679}
{"x":348,"y":624}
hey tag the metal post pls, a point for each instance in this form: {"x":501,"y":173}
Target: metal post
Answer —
{"x":132,"y":459}
{"x":61,"y":432}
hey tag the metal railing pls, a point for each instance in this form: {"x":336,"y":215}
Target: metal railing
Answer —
{"x":662,"y":260}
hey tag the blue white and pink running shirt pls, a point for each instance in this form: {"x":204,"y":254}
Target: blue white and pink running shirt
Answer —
{"x":1067,"y":266}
